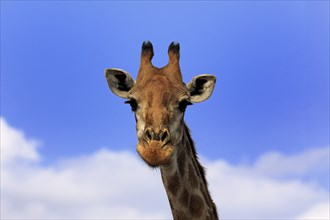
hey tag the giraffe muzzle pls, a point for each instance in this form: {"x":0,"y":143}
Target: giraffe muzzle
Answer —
{"x":161,"y":135}
{"x":154,"y":147}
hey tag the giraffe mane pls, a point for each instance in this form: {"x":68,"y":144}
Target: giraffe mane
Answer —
{"x":200,"y":167}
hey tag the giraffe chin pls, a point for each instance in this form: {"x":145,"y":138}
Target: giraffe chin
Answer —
{"x":154,"y":153}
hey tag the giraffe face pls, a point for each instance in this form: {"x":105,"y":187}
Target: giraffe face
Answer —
{"x":159,"y":107}
{"x":159,"y":99}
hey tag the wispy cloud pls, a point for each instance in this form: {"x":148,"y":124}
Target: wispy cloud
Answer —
{"x":107,"y":185}
{"x":252,"y":191}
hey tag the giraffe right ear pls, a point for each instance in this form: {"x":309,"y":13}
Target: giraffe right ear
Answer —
{"x":119,"y":81}
{"x":201,"y":87}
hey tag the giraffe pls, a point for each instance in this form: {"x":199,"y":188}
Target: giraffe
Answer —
{"x":159,"y":99}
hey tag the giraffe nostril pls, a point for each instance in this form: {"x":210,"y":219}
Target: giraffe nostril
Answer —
{"x":164,"y":136}
{"x":148,"y":135}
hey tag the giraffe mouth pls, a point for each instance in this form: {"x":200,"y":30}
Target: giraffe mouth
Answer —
{"x":155,"y":153}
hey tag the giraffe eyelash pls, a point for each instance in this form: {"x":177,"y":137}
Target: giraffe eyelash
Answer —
{"x":183,"y":105}
{"x":133,"y":103}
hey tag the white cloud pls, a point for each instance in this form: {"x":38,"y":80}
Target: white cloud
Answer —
{"x":319,"y":211}
{"x":109,"y":185}
{"x":101,"y":185}
{"x":241,"y":193}
{"x":15,"y":146}
{"x":310,"y":164}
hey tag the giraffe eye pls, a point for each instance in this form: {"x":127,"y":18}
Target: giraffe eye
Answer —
{"x":133,"y":104}
{"x":183,"y":105}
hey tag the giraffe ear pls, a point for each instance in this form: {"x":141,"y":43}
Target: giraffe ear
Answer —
{"x":119,"y":81}
{"x":201,"y":87}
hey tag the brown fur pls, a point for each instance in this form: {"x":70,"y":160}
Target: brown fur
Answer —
{"x":173,"y":184}
{"x":164,"y":140}
{"x":163,"y":87}
{"x":196,"y":206}
{"x":201,"y":170}
{"x":153,"y":154}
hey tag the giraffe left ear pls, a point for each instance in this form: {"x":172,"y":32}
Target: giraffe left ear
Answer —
{"x":120,"y":82}
{"x":201,"y":87}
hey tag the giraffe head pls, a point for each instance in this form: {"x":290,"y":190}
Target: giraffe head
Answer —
{"x":159,"y":99}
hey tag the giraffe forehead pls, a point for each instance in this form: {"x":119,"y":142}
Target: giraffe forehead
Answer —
{"x":158,"y":90}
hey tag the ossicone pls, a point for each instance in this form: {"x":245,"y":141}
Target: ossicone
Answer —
{"x":147,"y":53}
{"x":174,"y":53}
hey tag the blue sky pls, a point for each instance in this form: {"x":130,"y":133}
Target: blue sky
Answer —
{"x":265,"y":128}
{"x":271,"y":60}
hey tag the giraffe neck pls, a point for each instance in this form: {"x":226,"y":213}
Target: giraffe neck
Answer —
{"x":185,"y":183}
